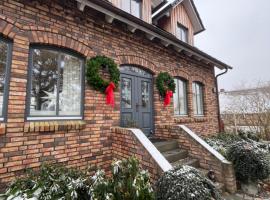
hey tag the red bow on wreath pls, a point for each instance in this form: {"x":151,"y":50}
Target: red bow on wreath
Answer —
{"x":167,"y":99}
{"x":109,"y":94}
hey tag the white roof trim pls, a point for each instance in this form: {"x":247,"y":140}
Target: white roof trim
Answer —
{"x":190,"y":11}
{"x":110,"y":15}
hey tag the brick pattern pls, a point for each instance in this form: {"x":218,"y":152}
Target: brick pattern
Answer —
{"x":125,"y":144}
{"x":60,"y":24}
{"x":44,"y":126}
{"x":224,"y":172}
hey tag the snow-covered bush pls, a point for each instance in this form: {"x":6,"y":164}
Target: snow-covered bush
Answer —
{"x":128,"y":182}
{"x":186,"y":183}
{"x":223,"y":141}
{"x":249,"y":160}
{"x":50,"y":182}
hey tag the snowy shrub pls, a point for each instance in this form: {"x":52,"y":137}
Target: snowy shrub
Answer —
{"x":249,"y":160}
{"x":128,"y":182}
{"x":223,"y":141}
{"x":51,"y":182}
{"x":186,"y":183}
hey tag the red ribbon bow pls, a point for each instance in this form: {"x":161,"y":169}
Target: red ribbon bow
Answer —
{"x":109,"y":94}
{"x":167,"y":99}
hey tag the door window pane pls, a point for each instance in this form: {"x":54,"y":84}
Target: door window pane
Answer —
{"x":126,"y":93}
{"x":145,"y":94}
{"x":198,"y":98}
{"x":180,"y":97}
{"x":3,"y":69}
{"x":56,"y":84}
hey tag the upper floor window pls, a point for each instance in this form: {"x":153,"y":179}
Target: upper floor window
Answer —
{"x":197,"y":89}
{"x":56,"y":79}
{"x":5,"y":60}
{"x":133,"y":7}
{"x":180,"y":97}
{"x":182,"y":33}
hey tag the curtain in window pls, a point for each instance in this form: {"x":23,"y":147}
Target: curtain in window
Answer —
{"x":180,"y":97}
{"x":198,"y":98}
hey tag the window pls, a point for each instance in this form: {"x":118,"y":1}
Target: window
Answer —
{"x":180,"y":97}
{"x":56,"y":84}
{"x":182,"y":33}
{"x":132,"y":6}
{"x":5,"y":60}
{"x":197,"y":89}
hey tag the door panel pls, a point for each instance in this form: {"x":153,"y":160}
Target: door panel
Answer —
{"x":136,"y":102}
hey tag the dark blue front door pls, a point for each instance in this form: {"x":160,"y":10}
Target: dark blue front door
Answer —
{"x":136,"y":99}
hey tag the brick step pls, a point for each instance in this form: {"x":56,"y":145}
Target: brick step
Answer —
{"x":164,"y":146}
{"x":175,"y":155}
{"x":186,"y":161}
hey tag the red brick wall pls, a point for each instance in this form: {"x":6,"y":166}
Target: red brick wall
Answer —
{"x":224,"y":172}
{"x":28,"y":22}
{"x":125,"y":144}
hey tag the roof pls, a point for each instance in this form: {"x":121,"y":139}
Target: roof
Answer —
{"x":133,"y":23}
{"x":190,"y":7}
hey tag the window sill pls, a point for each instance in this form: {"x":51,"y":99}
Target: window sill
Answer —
{"x":52,"y":126}
{"x":200,"y":118}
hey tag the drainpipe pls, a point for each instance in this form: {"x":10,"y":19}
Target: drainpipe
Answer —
{"x":217,"y":92}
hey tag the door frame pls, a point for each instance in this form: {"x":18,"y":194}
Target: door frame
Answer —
{"x":150,"y":77}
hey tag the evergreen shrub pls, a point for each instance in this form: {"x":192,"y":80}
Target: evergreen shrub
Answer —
{"x":186,"y":183}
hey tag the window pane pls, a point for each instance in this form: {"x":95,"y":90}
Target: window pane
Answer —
{"x":175,"y":99}
{"x":125,"y":5}
{"x":182,"y":33}
{"x":70,"y":85}
{"x":194,"y":98}
{"x":136,"y":8}
{"x":3,"y":63}
{"x":182,"y":97}
{"x":197,"y":98}
{"x":44,"y":83}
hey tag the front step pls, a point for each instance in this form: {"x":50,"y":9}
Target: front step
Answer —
{"x":178,"y":157}
{"x":175,"y":155}
{"x":186,"y":161}
{"x":164,"y":146}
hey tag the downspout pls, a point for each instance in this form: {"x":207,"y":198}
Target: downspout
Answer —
{"x":217,"y":93}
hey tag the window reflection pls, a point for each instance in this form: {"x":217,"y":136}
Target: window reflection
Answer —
{"x":56,"y":84}
{"x":145,"y":94}
{"x":126,"y":93}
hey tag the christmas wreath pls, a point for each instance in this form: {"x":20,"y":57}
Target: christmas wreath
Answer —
{"x":94,"y":65}
{"x":165,"y":86}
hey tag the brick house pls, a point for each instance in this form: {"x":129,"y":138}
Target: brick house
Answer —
{"x":49,"y":114}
